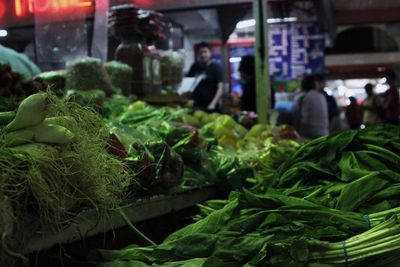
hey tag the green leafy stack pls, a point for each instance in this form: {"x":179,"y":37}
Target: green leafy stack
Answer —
{"x":333,"y":202}
{"x":353,"y":170}
{"x":274,"y":230}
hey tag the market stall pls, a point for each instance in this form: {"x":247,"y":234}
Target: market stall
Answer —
{"x":104,"y":162}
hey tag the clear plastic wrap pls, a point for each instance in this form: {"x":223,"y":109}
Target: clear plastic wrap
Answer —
{"x":88,"y":74}
{"x":100,"y":33}
{"x":172,"y":63}
{"x":120,"y":76}
{"x":60,"y":33}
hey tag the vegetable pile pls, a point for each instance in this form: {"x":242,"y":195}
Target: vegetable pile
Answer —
{"x":353,"y":170}
{"x":333,"y":202}
{"x":14,"y":87}
{"x":88,"y":74}
{"x":172,"y":63}
{"x":54,"y":162}
{"x":120,"y":76}
{"x":58,"y":157}
{"x":143,"y":130}
{"x":161,"y":151}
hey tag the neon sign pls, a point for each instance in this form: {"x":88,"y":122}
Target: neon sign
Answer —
{"x":23,"y":8}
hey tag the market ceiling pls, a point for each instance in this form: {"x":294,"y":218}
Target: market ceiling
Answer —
{"x":332,"y":13}
{"x":347,"y":10}
{"x":344,"y":12}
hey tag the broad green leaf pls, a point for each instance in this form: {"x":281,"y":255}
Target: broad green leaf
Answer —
{"x":357,"y":192}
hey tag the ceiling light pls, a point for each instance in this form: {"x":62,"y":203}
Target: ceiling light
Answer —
{"x":246,"y":23}
{"x":274,"y":20}
{"x":3,"y":33}
{"x":290,"y":19}
{"x":235,"y":59}
{"x":383,"y":80}
{"x":281,"y":20}
{"x":252,"y":22}
{"x":381,"y":88}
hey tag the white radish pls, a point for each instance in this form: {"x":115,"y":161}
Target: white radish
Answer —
{"x":38,"y":150}
{"x":43,"y":133}
{"x":31,"y":112}
{"x":64,"y":121}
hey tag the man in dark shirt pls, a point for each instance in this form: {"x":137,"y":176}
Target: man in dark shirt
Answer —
{"x":208,"y":91}
{"x":248,"y":81}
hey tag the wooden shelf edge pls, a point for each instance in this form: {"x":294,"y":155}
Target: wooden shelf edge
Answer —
{"x":89,"y":223}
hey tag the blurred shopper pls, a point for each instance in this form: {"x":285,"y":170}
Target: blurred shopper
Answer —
{"x":208,"y":91}
{"x":370,"y":107}
{"x":18,"y":62}
{"x":311,"y":110}
{"x":333,"y":109}
{"x":391,"y":102}
{"x":354,"y":114}
{"x":248,"y":82}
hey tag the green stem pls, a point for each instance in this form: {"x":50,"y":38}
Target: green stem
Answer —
{"x":359,"y":223}
{"x":384,"y":225}
{"x":366,"y":237}
{"x":314,"y":193}
{"x":387,"y":154}
{"x":338,"y":249}
{"x":205,"y":208}
{"x":357,"y":254}
{"x":373,"y":242}
{"x":369,"y":252}
{"x":137,"y":231}
{"x":380,"y":215}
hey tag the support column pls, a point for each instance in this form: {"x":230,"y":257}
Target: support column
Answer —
{"x":263,"y":92}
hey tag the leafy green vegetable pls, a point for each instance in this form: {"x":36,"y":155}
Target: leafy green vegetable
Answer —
{"x":332,"y":202}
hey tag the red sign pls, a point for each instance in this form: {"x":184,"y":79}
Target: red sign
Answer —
{"x":25,"y":7}
{"x":22,"y":11}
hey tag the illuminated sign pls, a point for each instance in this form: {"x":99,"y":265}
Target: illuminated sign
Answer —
{"x":22,"y":11}
{"x":26,"y":7}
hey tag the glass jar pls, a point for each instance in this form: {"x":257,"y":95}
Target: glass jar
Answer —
{"x":132,"y":52}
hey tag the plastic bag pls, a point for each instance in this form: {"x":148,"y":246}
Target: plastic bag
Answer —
{"x":100,"y":32}
{"x":61,"y":34}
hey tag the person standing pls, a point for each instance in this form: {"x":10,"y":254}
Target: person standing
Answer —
{"x":370,"y":107}
{"x":311,"y":110}
{"x":207,"y":93}
{"x":391,"y":102}
{"x":333,"y":109}
{"x":18,"y":62}
{"x":248,"y":82}
{"x":354,"y":114}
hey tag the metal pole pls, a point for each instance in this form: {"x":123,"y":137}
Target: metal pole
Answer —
{"x":263,"y":93}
